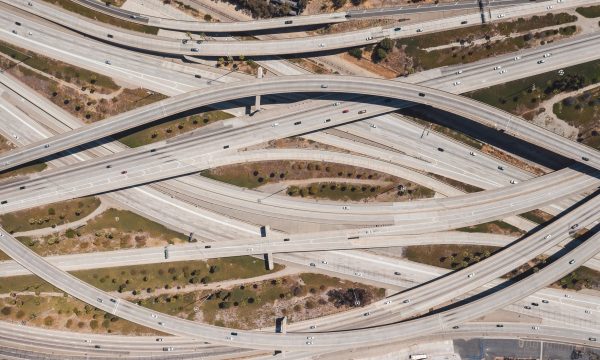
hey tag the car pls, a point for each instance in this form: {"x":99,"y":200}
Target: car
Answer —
{"x":387,"y":302}
{"x":110,"y":36}
{"x":472,"y":153}
{"x":535,"y":304}
{"x":168,"y":348}
{"x":527,"y":307}
{"x":17,"y":23}
{"x":500,"y":16}
{"x":99,"y":300}
{"x":275,"y":124}
{"x":287,"y":22}
{"x":313,"y":327}
{"x":29,"y":33}
{"x":559,"y":1}
{"x":197,"y":76}
{"x":161,"y":323}
{"x":545,"y":301}
{"x":500,"y":167}
{"x":547,"y":55}
{"x":323,"y":86}
{"x":458,"y":72}
{"x":324,"y":262}
{"x":549,"y":7}
{"x":108,"y":166}
{"x":310,"y":337}
{"x":16,"y":136}
{"x":369,"y":38}
{"x":345,"y":111}
{"x":159,"y":339}
{"x":108,"y":62}
{"x":547,"y":236}
{"x":46,"y":146}
{"x":321,"y":45}
{"x":327,"y":120}
{"x":584,"y":158}
{"x":499,"y":325}
{"x":535,"y":327}
{"x":421,"y":94}
{"x":14,"y":31}
{"x":312,"y":264}
{"x":358,"y":274}
{"x":471,"y":275}
{"x":464,"y":22}
{"x":572,"y":261}
{"x":97,"y":346}
{"x":229,"y":338}
{"x":406,"y":301}
{"x":592,"y":339}
{"x":498,"y":67}
{"x":567,"y":296}
{"x":113,"y":300}
{"x":440,"y":149}
{"x":362,"y":111}
{"x":517,"y":58}
{"x":194,"y":50}
{"x":455,"y":327}
{"x":514,"y":182}
{"x":541,"y":61}
{"x":397,"y":273}
{"x":373,"y":126}
{"x":336,"y":103}
{"x":367,"y":314}
{"x":456,"y":83}
{"x":574,"y":226}
{"x":124,"y":172}
{"x":87,"y":340}
{"x":397,"y":29}
{"x":309,"y":343}
{"x":587,"y":311}
{"x":502,"y":71}
{"x":419,"y":30}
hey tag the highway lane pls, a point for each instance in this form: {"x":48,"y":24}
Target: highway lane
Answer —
{"x":322,"y":341}
{"x":135,"y":346}
{"x":284,"y":23}
{"x":272,"y":47}
{"x":248,"y":246}
{"x":468,"y":108}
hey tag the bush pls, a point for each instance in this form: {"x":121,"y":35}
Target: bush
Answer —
{"x":357,"y":53}
{"x":351,"y":297}
{"x":386,"y":44}
{"x":48,"y":320}
{"x":6,"y":310}
{"x":379,"y":55}
{"x":338,"y":3}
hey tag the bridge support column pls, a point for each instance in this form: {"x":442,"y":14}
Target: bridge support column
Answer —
{"x":269,"y":260}
{"x":259,"y":75}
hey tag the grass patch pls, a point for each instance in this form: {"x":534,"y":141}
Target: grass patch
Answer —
{"x":493,"y":227}
{"x":111,"y":230}
{"x":101,"y":17}
{"x":356,"y":192}
{"x":468,"y":188}
{"x":449,"y":256}
{"x":589,"y":11}
{"x":582,"y":278}
{"x":60,"y":70}
{"x":59,"y":312}
{"x":537,"y":216}
{"x":140,"y":278}
{"x":583,"y":112}
{"x":24,"y":170}
{"x":523,"y":95}
{"x":169,"y":129}
{"x":48,"y":215}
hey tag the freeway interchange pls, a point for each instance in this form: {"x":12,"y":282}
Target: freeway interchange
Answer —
{"x":165,"y":169}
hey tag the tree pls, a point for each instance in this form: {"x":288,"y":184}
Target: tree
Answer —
{"x":207,"y":18}
{"x":339,"y":3}
{"x":356,"y":52}
{"x":386,"y":44}
{"x":379,"y":55}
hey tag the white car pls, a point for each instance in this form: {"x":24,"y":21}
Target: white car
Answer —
{"x":154,"y":316}
{"x":456,"y":83}
{"x":514,"y":182}
{"x":472,"y":153}
{"x":321,"y":45}
{"x":541,"y":61}
{"x":324,"y":262}
{"x":549,"y":7}
{"x":108,"y":62}
{"x":547,"y":55}
{"x":459,"y":72}
{"x":535,"y":327}
{"x":517,"y":58}
{"x":419,"y":30}
{"x":572,"y":261}
{"x":358,"y":274}
{"x":310,"y":337}
{"x":387,"y":302}
{"x":275,"y":124}
{"x":369,"y":38}
{"x":587,"y":311}
{"x":548,"y":236}
{"x":336,"y":103}
{"x":471,"y":275}
{"x":309,"y":343}
{"x":501,"y":16}
{"x":16,"y":136}
{"x":503,"y":71}
{"x":498,"y":67}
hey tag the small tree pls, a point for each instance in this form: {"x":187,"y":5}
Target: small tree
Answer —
{"x":207,"y":18}
{"x":356,"y":52}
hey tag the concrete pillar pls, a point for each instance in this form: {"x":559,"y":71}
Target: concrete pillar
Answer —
{"x":284,"y":325}
{"x":269,"y":259}
{"x":259,"y":75}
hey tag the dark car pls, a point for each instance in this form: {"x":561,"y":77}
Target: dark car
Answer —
{"x":345,"y":111}
{"x":124,"y":172}
{"x":441,"y":149}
